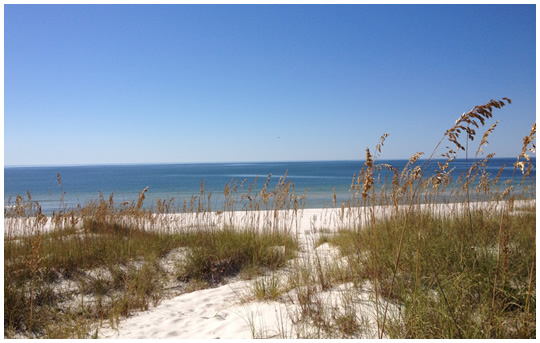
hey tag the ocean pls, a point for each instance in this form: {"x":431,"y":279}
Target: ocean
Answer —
{"x":80,"y":184}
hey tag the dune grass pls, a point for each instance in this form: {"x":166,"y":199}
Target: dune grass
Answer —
{"x":464,"y":272}
{"x":120,"y":270}
{"x":101,"y":262}
{"x":453,"y":281}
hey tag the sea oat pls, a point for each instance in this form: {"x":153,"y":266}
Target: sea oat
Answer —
{"x":526,"y":166}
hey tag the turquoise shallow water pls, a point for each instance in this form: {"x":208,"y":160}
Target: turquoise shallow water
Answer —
{"x":179,"y":181}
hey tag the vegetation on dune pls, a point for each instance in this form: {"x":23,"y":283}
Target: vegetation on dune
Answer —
{"x":102,"y":262}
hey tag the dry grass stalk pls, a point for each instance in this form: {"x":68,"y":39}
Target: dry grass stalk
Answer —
{"x":528,"y":146}
{"x":484,"y":140}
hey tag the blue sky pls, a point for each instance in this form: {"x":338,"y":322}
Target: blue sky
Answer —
{"x":103,"y":84}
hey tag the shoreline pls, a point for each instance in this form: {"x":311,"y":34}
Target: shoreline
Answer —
{"x":285,"y":219}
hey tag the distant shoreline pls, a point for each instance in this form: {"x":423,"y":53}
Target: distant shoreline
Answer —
{"x":128,"y":164}
{"x":329,"y":218}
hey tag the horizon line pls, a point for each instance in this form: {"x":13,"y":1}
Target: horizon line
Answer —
{"x":217,"y":162}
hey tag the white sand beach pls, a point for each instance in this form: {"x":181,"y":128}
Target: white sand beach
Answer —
{"x":230,"y":311}
{"x":226,"y":311}
{"x":222,"y":312}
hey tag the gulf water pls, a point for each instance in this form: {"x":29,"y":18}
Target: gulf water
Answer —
{"x":80,"y":184}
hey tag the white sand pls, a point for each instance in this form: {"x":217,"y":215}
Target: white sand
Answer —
{"x":223,"y":312}
{"x":231,"y":312}
{"x":219,"y":313}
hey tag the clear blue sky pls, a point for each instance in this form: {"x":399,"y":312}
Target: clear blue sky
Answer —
{"x":100,"y":84}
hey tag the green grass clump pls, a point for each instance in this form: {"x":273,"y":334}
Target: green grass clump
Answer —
{"x":454,"y":281}
{"x":118,"y":267}
{"x":219,"y":253}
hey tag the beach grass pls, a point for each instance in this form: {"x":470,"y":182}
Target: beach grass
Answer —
{"x":454,"y":281}
{"x":430,"y":256}
{"x":100,"y":263}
